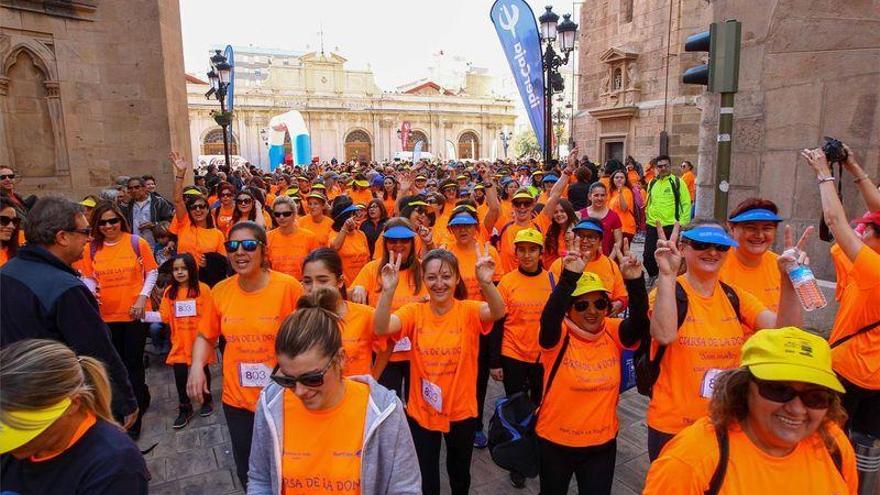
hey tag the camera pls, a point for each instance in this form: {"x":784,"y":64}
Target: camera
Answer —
{"x":834,"y":151}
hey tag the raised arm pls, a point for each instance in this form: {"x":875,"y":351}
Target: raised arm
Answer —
{"x":180,"y":168}
{"x":491,"y":200}
{"x":493,"y":309}
{"x":832,"y":209}
{"x":556,"y":191}
{"x":385,"y":323}
{"x":866,"y":186}
{"x":664,"y":321}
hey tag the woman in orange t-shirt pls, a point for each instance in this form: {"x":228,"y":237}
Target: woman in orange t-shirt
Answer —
{"x":248,"y":208}
{"x":781,"y":418}
{"x":319,"y":431}
{"x":124,"y":270}
{"x":445,"y":343}
{"x":289,"y":244}
{"x":316,"y":220}
{"x":398,"y":239}
{"x":584,"y":345}
{"x":248,"y":309}
{"x":9,"y":230}
{"x":347,"y":237}
{"x":322,"y":268}
{"x":223,"y":213}
{"x":185,"y":302}
{"x":390,"y":190}
{"x":558,"y":217}
{"x":622,"y":202}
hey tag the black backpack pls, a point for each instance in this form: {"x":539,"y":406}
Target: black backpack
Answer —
{"x":647,"y":369}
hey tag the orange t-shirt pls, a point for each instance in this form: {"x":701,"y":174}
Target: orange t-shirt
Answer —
{"x":627,"y":219}
{"x":196,"y":241}
{"x":709,"y":339}
{"x":505,"y":215}
{"x":355,"y":252}
{"x":359,"y":339}
{"x":690,"y":181}
{"x":322,"y":450}
{"x":390,"y":205}
{"x":632,"y":176}
{"x":688,"y":462}
{"x":588,"y":374}
{"x":120,"y":275}
{"x":443,"y":372}
{"x":286,"y":252}
{"x":607,"y":270}
{"x":361,"y":197}
{"x":223,"y":218}
{"x":183,"y":319}
{"x":467,"y":262}
{"x":858,"y":359}
{"x":506,"y":247}
{"x":524,"y":298}
{"x":321,"y":229}
{"x":842,"y":267}
{"x":763,"y":281}
{"x":4,"y":257}
{"x":249,"y":321}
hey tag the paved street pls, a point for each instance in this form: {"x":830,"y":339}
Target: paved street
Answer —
{"x":198,"y":458}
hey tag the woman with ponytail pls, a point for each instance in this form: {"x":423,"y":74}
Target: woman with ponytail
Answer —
{"x":328,"y":432}
{"x":57,"y":428}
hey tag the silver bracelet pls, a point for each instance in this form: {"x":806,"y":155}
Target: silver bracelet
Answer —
{"x":820,"y":180}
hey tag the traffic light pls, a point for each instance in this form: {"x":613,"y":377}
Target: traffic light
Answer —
{"x":722,"y":42}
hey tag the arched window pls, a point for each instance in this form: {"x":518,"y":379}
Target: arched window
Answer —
{"x":617,"y":80}
{"x":358,"y":146}
{"x":415,"y":137}
{"x":212,"y":144}
{"x":469,"y":146}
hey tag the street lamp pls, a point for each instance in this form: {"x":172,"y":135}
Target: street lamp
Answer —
{"x":566,"y":32}
{"x":219,"y":76}
{"x":505,"y":140}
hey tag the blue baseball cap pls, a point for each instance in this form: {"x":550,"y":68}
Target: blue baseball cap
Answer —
{"x":399,"y":232}
{"x":378,"y":180}
{"x":550,"y":178}
{"x":709,"y":234}
{"x":462,"y":219}
{"x":352,"y":208}
{"x":756,"y":215}
{"x":589,"y":224}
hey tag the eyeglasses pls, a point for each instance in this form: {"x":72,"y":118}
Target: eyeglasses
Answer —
{"x":4,"y":221}
{"x":138,"y":186}
{"x":704,"y":246}
{"x":249,"y":245}
{"x":813,"y":398}
{"x":226,"y":195}
{"x":198,"y":206}
{"x":279,"y":214}
{"x":312,"y":379}
{"x":583,"y":305}
{"x":109,"y":221}
{"x":7,"y":176}
{"x":86,"y":231}
{"x":244,"y":201}
{"x":420,"y":210}
{"x":522,"y":204}
{"x":588,"y":236}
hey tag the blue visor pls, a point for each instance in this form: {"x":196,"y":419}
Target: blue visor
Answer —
{"x":399,"y":232}
{"x":587,"y":225}
{"x":550,"y":178}
{"x":709,"y":234}
{"x":352,"y":208}
{"x":756,"y":215}
{"x":462,"y":219}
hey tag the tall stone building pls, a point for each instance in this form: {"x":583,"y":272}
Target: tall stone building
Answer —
{"x":90,"y":90}
{"x":808,"y":69}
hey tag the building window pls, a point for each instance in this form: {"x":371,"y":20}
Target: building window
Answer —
{"x":626,"y":10}
{"x":617,"y":79}
{"x":212,"y":144}
{"x":469,"y":146}
{"x":415,"y":137}
{"x":358,"y":146}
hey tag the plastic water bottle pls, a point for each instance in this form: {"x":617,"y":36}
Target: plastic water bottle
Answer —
{"x":805,"y":286}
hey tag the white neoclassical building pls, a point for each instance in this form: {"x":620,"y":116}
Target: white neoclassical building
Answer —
{"x":347,"y":114}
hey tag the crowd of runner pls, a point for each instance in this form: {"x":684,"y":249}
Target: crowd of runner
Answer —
{"x":359,"y":310}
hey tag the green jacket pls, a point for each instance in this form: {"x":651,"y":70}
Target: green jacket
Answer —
{"x":661,"y":202}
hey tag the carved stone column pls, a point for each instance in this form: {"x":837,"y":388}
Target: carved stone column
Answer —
{"x":53,"y":102}
{"x":5,"y":144}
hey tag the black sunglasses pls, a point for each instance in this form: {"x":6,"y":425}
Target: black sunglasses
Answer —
{"x":7,"y":176}
{"x":15,"y":221}
{"x":109,"y":221}
{"x":244,"y":201}
{"x":226,"y":195}
{"x":814,"y":398}
{"x":312,"y":379}
{"x":584,"y":304}
{"x":421,"y":210}
{"x":198,"y":206}
{"x":279,"y":214}
{"x":703,"y":246}
{"x":522,"y":204}
{"x":249,"y":245}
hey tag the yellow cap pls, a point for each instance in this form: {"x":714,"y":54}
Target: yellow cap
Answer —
{"x":24,"y":426}
{"x":589,"y":282}
{"x":316,"y":195}
{"x":417,"y":203}
{"x":292,"y":191}
{"x":529,"y":235}
{"x":361,"y":183}
{"x":192,"y":192}
{"x":790,"y":354}
{"x":319,"y":186}
{"x":88,"y":203}
{"x":523,"y":195}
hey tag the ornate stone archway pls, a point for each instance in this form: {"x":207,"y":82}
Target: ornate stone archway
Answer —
{"x":212,"y":142}
{"x":414,"y":137}
{"x":468,"y":146}
{"x":358,"y":146}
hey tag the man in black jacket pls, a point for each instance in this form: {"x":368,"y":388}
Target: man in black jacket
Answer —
{"x":42,"y":297}
{"x":145,"y":210}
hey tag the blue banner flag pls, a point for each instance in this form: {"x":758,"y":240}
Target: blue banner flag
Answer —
{"x":518,"y":32}
{"x":230,"y":90}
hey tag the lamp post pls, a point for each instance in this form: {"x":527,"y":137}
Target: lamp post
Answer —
{"x":505,"y":140}
{"x":566,"y":31}
{"x":219,"y":75}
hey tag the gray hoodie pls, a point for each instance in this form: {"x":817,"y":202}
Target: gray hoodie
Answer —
{"x":389,"y":465}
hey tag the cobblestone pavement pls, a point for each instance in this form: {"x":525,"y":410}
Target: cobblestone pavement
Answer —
{"x":198,"y":459}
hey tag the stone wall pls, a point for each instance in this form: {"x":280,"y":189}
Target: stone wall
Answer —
{"x":107,"y":75}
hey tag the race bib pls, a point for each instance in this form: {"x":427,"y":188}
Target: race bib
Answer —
{"x":253,"y":374}
{"x":152,"y":317}
{"x":403,"y":345}
{"x":432,"y":394}
{"x":707,"y":388}
{"x":185,"y":308}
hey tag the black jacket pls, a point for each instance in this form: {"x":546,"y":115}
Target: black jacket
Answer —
{"x":41,"y":297}
{"x":160,"y":211}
